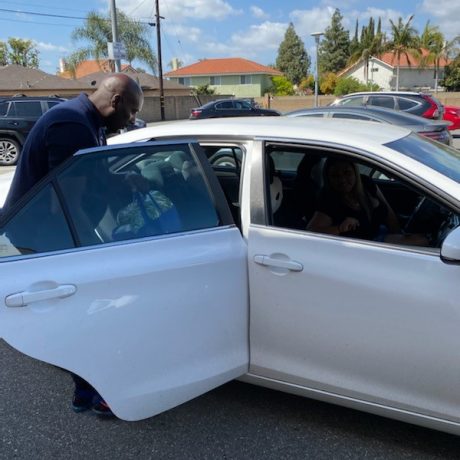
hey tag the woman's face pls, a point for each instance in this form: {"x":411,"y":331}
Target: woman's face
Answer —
{"x":341,"y":177}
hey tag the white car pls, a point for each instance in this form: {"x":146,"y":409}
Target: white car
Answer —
{"x":179,"y":259}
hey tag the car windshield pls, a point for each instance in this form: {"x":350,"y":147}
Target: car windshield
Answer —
{"x":440,"y":157}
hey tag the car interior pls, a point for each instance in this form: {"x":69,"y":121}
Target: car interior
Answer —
{"x":299,"y":171}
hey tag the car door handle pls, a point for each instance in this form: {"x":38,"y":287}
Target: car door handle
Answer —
{"x":22,"y":299}
{"x":279,"y":263}
{"x":13,"y":123}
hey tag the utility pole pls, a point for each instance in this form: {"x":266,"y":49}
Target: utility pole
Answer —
{"x":113,"y":14}
{"x":160,"y":65}
{"x":317,"y":36}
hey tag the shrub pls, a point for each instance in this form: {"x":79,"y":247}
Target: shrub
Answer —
{"x":352,"y":85}
{"x":282,"y":86}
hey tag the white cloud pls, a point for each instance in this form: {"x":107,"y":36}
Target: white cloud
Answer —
{"x":258,"y":13}
{"x":42,"y":46}
{"x":192,"y":34}
{"x":180,"y":10}
{"x":255,"y":43}
{"x":444,"y":14}
{"x":307,"y":22}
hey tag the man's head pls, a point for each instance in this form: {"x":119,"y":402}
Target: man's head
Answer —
{"x":118,"y":99}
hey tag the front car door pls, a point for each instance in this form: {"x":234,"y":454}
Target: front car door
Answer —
{"x":125,"y":268}
{"x":363,"y":323}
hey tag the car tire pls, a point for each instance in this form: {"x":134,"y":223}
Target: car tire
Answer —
{"x":9,"y":152}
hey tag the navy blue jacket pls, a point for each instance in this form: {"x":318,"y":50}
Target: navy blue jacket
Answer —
{"x":58,"y":134}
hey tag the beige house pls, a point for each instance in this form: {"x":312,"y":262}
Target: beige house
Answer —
{"x":382,"y":71}
{"x":230,"y":76}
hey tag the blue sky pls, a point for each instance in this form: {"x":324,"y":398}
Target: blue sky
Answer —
{"x":196,"y":29}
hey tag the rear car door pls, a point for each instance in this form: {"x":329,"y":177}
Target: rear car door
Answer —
{"x":125,"y":268}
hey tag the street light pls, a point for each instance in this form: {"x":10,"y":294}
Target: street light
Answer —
{"x":317,"y":36}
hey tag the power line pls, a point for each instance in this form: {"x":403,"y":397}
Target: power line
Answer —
{"x":61,"y":16}
{"x":39,"y":23}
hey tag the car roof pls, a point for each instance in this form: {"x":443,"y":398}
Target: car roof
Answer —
{"x":359,"y":134}
{"x":380,"y":113}
{"x":385,"y":93}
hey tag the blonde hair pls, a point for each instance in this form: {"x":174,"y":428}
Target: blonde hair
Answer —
{"x":358,"y":191}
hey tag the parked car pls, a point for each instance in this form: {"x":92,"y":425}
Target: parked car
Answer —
{"x":231,"y":108}
{"x":197,"y":281}
{"x":138,"y":123}
{"x":452,"y":114}
{"x":434,"y":129}
{"x":18,"y":115}
{"x":422,"y":104}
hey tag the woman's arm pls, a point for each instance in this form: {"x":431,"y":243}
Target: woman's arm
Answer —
{"x":322,"y":223}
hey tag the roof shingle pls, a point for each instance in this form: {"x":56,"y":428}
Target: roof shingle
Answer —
{"x":223,"y":66}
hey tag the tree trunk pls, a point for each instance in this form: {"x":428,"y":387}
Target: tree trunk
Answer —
{"x":397,"y":76}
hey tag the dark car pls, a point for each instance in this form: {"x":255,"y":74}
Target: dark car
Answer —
{"x":422,"y":104}
{"x":18,"y":114}
{"x":231,"y":108}
{"x":434,"y":129}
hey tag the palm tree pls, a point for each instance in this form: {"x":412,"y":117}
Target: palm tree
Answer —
{"x":438,"y":48}
{"x":370,"y":44}
{"x":97,"y":32}
{"x":404,"y":42}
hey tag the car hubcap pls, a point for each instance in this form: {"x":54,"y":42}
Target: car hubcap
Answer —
{"x":8,"y":152}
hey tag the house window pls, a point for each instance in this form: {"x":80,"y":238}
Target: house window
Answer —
{"x":215,"y":80}
{"x":245,"y":79}
{"x":185,"y":81}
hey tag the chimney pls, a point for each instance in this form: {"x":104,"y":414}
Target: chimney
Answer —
{"x":175,"y":63}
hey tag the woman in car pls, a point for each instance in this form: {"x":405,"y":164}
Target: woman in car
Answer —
{"x":352,"y":205}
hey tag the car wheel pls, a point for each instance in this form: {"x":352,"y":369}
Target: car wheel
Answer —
{"x":9,"y":152}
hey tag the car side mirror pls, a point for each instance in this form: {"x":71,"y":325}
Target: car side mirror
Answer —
{"x":450,"y":249}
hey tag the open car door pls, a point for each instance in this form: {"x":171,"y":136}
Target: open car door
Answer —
{"x":124,"y":267}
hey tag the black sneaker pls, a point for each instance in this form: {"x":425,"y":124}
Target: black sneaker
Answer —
{"x":102,"y":409}
{"x":82,"y":400}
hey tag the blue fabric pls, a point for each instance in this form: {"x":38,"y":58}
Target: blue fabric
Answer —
{"x":57,"y":135}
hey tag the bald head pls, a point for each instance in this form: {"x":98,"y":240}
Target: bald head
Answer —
{"x":118,"y":99}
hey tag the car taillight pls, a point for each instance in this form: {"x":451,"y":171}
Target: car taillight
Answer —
{"x":433,"y":110}
{"x":195,"y":113}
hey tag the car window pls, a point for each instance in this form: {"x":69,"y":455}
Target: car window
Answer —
{"x":228,"y":158}
{"x":407,"y":104}
{"x":40,"y":226}
{"x":28,"y":108}
{"x":351,"y":101}
{"x":351,"y":116}
{"x":3,"y":108}
{"x":126,"y":194}
{"x":382,"y":101}
{"x":243,"y":105}
{"x":224,"y":105}
{"x":52,"y":104}
{"x":377,"y":206}
{"x":316,"y":114}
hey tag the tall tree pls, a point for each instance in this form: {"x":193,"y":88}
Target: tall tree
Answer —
{"x":334,"y":49}
{"x":97,"y":31}
{"x":3,"y":54}
{"x":292,"y":58}
{"x":370,"y":44}
{"x":19,"y":51}
{"x":432,"y":39}
{"x":404,"y":42}
{"x":354,"y":43}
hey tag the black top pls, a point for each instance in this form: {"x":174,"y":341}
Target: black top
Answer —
{"x":331,"y":204}
{"x":58,"y":134}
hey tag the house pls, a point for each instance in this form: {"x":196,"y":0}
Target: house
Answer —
{"x":16,"y":79}
{"x":149,"y":83}
{"x":88,"y":67}
{"x":382,"y":71}
{"x":237,"y":76}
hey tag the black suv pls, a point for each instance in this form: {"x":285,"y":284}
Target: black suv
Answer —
{"x":17,"y":116}
{"x":231,"y":108}
{"x":422,"y":104}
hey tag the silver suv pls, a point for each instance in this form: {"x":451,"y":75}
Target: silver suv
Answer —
{"x":422,"y":104}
